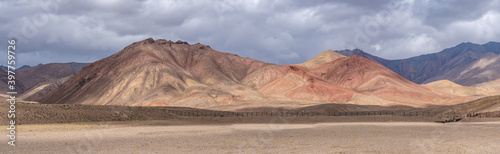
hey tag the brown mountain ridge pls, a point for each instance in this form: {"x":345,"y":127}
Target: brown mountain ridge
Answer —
{"x":165,"y":73}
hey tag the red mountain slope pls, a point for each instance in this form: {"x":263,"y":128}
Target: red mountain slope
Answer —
{"x":167,"y":73}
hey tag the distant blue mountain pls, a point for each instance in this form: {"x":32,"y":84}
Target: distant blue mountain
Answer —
{"x":447,"y":64}
{"x":20,"y":68}
{"x":23,"y":67}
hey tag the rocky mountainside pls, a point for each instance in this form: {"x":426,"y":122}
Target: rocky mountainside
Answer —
{"x":446,"y":86}
{"x":39,"y":92}
{"x":33,"y":77}
{"x":45,"y":74}
{"x":166,"y":73}
{"x":3,"y":81}
{"x":158,"y":73}
{"x":492,"y":84}
{"x":483,"y":70}
{"x":465,"y":64}
{"x":20,"y":87}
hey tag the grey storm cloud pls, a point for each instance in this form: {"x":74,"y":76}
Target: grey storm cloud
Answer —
{"x":281,"y":31}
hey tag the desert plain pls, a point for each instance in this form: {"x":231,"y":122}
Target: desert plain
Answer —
{"x":72,"y":128}
{"x":278,"y":135}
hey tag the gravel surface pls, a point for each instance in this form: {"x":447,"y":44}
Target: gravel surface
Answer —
{"x":170,"y":137}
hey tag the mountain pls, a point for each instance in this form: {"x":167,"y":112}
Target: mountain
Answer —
{"x":19,"y":86}
{"x":43,"y":79}
{"x":459,"y":64}
{"x":446,"y":86}
{"x":40,"y":91}
{"x":483,"y":70}
{"x":159,"y":73}
{"x":322,"y":58}
{"x":495,"y":84}
{"x":3,"y":81}
{"x":165,"y":73}
{"x":373,"y":84}
{"x":47,"y":73}
{"x":22,"y":67}
{"x":32,"y":77}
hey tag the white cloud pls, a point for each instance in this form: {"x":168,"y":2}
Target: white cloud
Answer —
{"x":376,"y":47}
{"x":483,"y":29}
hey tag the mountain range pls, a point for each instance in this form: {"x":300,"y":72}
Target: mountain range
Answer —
{"x":166,"y":73}
{"x":20,"y":68}
{"x":481,"y":90}
{"x":40,"y":75}
{"x":465,"y":64}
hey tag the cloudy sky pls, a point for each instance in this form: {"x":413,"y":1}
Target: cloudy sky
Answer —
{"x":282,"y":31}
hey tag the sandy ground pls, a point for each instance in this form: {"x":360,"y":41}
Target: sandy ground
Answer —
{"x":171,"y":136}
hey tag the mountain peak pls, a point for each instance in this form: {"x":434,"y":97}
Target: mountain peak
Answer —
{"x":158,"y":41}
{"x":358,"y":52}
{"x":356,"y":62}
{"x":492,"y":47}
{"x":154,"y":51}
{"x":325,"y":57}
{"x":492,"y":43}
{"x":465,"y":45}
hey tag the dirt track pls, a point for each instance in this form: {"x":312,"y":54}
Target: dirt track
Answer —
{"x":164,"y":137}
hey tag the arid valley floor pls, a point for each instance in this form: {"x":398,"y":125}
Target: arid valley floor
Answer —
{"x":178,"y":136}
{"x":73,"y":128}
